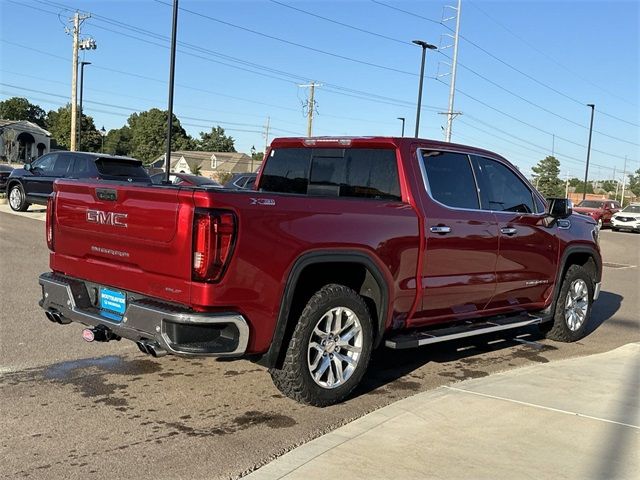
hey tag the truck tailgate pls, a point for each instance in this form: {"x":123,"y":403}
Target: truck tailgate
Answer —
{"x":136,"y":238}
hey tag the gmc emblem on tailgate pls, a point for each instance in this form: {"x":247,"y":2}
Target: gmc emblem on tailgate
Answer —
{"x":107,"y":218}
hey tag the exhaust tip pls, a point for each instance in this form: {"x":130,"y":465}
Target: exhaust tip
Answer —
{"x":143,"y":347}
{"x":56,"y":318}
{"x":152,"y":349}
{"x":49,"y":316}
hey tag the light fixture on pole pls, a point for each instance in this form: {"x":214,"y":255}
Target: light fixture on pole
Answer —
{"x":424,"y":46}
{"x":586,"y":170}
{"x":103,"y":133}
{"x":402,"y":119}
{"x":82,"y":65}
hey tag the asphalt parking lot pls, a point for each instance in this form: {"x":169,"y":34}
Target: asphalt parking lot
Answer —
{"x":103,"y":411}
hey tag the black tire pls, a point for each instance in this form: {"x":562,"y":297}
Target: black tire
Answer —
{"x":18,"y":202}
{"x":561,"y":330}
{"x":615,"y":229}
{"x":295,"y":379}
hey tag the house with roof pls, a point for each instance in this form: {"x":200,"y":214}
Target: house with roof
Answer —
{"x":208,"y":164}
{"x":22,"y":141}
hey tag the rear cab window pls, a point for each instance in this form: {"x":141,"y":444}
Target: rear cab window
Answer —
{"x":121,"y":169}
{"x":449,"y":179}
{"x":370,"y":173}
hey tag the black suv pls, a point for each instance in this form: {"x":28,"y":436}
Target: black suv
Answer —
{"x":34,"y":182}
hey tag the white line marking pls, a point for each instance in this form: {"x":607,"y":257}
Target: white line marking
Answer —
{"x":542,"y":407}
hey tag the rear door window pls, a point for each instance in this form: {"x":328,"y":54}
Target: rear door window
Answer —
{"x":347,"y":172}
{"x":62,"y":166}
{"x":501,"y":189}
{"x":450,"y":179}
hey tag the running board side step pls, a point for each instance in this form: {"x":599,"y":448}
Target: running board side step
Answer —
{"x":467,"y":329}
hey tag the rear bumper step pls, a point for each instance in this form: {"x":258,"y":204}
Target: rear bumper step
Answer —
{"x":467,"y":329}
{"x":174,"y":330}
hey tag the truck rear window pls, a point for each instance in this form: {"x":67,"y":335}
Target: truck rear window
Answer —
{"x":348,"y":172}
{"x":109,"y":167}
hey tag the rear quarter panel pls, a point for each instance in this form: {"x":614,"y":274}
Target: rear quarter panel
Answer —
{"x":273,"y":235}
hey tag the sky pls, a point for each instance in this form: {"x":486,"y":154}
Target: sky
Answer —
{"x":526,"y":70}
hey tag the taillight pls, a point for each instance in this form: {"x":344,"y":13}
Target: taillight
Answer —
{"x":51,"y":204}
{"x":213,"y":241}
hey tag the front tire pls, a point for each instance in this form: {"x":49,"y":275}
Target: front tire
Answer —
{"x":573,"y":306}
{"x":17,"y":198}
{"x":330,"y":348}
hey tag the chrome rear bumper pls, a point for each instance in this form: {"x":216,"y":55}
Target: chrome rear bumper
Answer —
{"x":176,"y":330}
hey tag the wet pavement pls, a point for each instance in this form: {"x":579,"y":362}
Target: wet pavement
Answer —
{"x":77,"y":410}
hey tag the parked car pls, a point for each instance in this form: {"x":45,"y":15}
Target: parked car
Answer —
{"x":242,"y":181}
{"x":5,"y":171}
{"x":627,"y":219}
{"x":34,"y":182}
{"x":600,"y":210}
{"x":347,"y":245}
{"x":184,"y":179}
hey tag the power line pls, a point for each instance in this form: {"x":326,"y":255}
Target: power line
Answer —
{"x":289,"y":42}
{"x":507,"y":64}
{"x":545,"y":54}
{"x":337,"y":89}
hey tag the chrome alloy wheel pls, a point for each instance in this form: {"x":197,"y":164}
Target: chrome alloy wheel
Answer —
{"x":15,"y":198}
{"x":335,"y":347}
{"x":576,"y":304}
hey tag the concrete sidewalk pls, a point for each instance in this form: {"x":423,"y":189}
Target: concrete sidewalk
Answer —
{"x":571,"y":419}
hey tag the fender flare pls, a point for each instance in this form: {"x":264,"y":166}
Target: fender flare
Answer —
{"x":271,"y":357}
{"x":569,"y":250}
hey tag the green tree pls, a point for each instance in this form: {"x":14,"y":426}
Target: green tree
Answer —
{"x":149,"y":133}
{"x":118,"y":141}
{"x":634,"y":183}
{"x":609,"y":185}
{"x":18,"y":108}
{"x":216,"y":141}
{"x":579,"y":185}
{"x":59,"y":124}
{"x":546,"y":177}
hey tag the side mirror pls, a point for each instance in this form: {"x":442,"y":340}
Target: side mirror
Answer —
{"x":27,"y":167}
{"x":560,"y":207}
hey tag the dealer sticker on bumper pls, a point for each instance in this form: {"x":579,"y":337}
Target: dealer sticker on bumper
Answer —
{"x":112,"y":301}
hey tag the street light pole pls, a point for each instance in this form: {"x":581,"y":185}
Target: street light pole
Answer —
{"x":172,"y":70}
{"x":103,"y":133}
{"x":586,"y":170}
{"x":82,"y":65}
{"x":424,"y":46}
{"x":402,"y":119}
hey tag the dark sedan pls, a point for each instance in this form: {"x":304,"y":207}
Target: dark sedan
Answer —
{"x":34,"y":182}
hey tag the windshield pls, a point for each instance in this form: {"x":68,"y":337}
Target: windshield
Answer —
{"x":590,"y":204}
{"x":631,"y":209}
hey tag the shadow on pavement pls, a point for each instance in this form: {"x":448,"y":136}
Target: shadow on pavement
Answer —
{"x":603,"y":309}
{"x":388,"y":366}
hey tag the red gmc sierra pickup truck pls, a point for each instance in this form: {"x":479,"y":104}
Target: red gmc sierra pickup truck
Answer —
{"x":345,"y":245}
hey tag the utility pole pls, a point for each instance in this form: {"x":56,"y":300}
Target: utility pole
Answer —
{"x":624,"y":180}
{"x":452,"y":84}
{"x":566,"y":186}
{"x":311,"y":105}
{"x":266,"y":134}
{"x":86,"y":45}
{"x":553,"y":145}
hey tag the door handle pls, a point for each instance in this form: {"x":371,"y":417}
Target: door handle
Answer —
{"x":508,"y":231}
{"x":441,"y":229}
